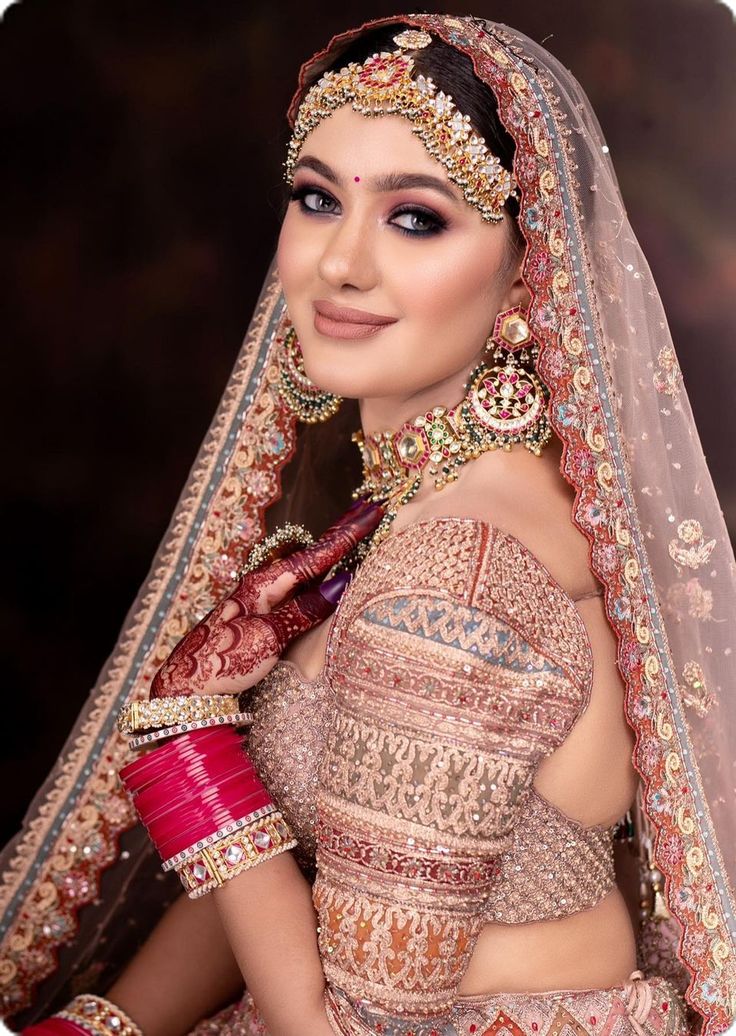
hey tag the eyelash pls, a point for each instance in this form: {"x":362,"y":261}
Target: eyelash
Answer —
{"x":437,"y":223}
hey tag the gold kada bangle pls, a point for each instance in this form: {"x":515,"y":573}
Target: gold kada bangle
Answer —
{"x":150,"y":737}
{"x":99,"y":1017}
{"x":225,"y":854}
{"x":172,"y":712}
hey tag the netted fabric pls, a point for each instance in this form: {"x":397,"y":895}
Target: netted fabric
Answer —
{"x":644,"y":499}
{"x":553,"y":867}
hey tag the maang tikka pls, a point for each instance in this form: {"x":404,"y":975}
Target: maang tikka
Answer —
{"x":304,"y":399}
{"x":385,"y":84}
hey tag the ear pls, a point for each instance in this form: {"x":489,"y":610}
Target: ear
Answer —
{"x":517,"y":293}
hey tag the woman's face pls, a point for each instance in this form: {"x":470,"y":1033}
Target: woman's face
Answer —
{"x":359,"y":233}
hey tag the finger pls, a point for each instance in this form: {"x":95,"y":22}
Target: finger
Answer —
{"x":257,"y":642}
{"x":317,"y":559}
{"x":258,"y":591}
{"x":290,"y":620}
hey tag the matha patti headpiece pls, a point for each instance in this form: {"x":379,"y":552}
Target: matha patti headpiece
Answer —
{"x":383,"y":85}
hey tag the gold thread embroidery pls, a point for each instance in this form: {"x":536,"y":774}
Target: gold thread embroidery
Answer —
{"x":696,"y":550}
{"x":444,"y":704}
{"x":667,"y":376}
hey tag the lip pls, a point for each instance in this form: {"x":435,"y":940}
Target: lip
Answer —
{"x":344,"y":322}
{"x":348,"y":315}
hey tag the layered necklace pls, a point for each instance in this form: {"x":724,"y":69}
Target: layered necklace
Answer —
{"x":505,"y":403}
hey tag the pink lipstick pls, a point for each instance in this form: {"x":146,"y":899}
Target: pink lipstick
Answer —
{"x":346,"y":322}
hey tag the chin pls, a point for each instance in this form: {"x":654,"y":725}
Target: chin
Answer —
{"x":349,"y":384}
{"x":348,"y":369}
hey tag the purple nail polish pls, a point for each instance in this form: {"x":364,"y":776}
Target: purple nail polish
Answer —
{"x":333,"y":589}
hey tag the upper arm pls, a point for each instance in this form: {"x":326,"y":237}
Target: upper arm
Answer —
{"x":448,"y":691}
{"x":468,"y":706}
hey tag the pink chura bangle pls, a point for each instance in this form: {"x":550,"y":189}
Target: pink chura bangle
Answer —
{"x":205,"y":808}
{"x":55,"y":1026}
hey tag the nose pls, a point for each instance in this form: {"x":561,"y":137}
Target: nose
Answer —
{"x":348,"y":257}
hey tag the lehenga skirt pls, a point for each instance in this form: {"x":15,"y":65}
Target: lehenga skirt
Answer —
{"x":639,"y":1007}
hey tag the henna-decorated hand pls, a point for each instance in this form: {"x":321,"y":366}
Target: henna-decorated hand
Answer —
{"x":241,"y":639}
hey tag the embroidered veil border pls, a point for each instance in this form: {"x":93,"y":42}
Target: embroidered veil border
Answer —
{"x":644,"y":500}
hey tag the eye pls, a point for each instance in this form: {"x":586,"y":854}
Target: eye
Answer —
{"x":320,"y":201}
{"x":421,"y":222}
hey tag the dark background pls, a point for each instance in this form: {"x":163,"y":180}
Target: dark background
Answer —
{"x":141,"y":185}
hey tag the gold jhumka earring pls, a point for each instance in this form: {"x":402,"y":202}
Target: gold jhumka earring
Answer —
{"x":306,"y":401}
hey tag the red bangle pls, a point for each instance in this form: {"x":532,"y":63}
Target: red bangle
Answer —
{"x":198,"y":784}
{"x":175,"y":840}
{"x":55,"y":1027}
{"x":198,"y":747}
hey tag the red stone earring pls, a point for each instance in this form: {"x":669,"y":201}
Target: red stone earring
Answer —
{"x":507,"y":403}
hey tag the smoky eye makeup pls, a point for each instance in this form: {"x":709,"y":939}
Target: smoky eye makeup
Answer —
{"x":430,"y":222}
{"x":324,"y":199}
{"x":316,"y":201}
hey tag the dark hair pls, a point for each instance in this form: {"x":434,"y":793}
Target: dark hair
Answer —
{"x":322,"y":458}
{"x":452,"y":71}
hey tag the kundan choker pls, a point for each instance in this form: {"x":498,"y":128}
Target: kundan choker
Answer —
{"x":506,"y":403}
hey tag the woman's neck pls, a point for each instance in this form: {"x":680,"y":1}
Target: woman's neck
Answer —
{"x":389,"y":413}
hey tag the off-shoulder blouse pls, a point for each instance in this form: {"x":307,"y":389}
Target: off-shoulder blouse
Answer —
{"x":454,"y":665}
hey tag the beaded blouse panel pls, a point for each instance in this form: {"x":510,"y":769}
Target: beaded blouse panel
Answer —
{"x":553,"y":867}
{"x":286,"y":742}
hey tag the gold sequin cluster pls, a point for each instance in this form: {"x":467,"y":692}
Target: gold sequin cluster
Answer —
{"x":383,"y":85}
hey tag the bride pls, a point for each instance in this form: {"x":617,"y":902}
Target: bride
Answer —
{"x":420,"y":835}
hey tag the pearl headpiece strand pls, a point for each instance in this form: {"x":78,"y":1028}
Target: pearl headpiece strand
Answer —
{"x":383,"y":85}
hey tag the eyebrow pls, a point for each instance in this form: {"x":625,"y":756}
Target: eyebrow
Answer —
{"x":385,"y":182}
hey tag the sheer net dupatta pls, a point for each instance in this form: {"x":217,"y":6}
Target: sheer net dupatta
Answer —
{"x":644,"y":497}
{"x":80,"y":823}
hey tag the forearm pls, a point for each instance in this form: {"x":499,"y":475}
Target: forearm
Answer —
{"x":183,"y":973}
{"x":271,"y":925}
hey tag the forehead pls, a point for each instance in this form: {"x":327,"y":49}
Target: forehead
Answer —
{"x":376,"y":143}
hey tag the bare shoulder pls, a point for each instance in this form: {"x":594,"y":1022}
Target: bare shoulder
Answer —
{"x":528,"y":498}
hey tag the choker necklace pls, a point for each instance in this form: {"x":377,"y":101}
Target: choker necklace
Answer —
{"x":504,"y":404}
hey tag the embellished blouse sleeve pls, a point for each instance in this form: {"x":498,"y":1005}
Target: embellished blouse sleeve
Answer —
{"x":456,"y":665}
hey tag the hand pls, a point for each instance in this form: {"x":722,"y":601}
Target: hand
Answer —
{"x":241,"y":639}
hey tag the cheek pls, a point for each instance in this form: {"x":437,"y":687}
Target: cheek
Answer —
{"x":291,"y":256}
{"x":449,"y":300}
{"x":455,"y":287}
